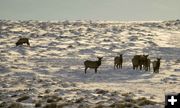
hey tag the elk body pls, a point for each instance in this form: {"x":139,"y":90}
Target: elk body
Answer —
{"x":21,"y":41}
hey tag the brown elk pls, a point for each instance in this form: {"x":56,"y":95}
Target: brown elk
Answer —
{"x":92,"y":64}
{"x":118,"y":61}
{"x":147,"y":64}
{"x":156,"y":65}
{"x":23,"y":40}
{"x":135,"y":61}
{"x":139,"y":61}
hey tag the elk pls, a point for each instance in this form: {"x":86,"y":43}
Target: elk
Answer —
{"x":147,"y":64}
{"x":142,"y":61}
{"x":23,"y":40}
{"x":139,"y":61}
{"x":118,"y":61}
{"x":156,"y":65}
{"x":92,"y":64}
{"x":135,"y":61}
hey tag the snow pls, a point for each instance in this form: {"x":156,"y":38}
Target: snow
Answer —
{"x":54,"y":61}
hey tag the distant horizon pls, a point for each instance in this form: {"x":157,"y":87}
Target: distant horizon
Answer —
{"x":94,"y":10}
{"x":91,"y":20}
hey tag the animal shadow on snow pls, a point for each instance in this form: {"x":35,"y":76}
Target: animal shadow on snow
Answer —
{"x":20,"y":49}
{"x":104,"y":75}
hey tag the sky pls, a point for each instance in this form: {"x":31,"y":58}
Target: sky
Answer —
{"x":121,"y":10}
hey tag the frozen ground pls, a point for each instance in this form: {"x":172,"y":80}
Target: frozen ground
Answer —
{"x":53,"y":64}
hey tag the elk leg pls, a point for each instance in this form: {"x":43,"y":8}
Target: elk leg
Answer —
{"x":28,"y":43}
{"x":95,"y":70}
{"x":114,"y":66}
{"x":85,"y":70}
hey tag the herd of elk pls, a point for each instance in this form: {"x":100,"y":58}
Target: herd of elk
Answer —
{"x":141,"y":61}
{"x":138,"y":62}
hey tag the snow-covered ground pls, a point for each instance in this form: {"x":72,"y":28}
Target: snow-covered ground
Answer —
{"x":53,"y":64}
